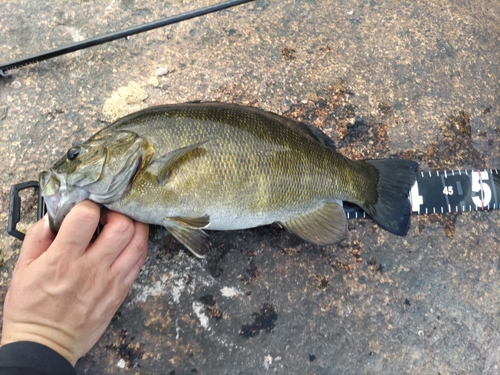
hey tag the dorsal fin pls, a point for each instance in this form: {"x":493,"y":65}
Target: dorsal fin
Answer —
{"x":307,"y":131}
{"x":310,"y":132}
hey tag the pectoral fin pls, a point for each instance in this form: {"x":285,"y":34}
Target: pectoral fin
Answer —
{"x":162,"y":166}
{"x":188,"y":232}
{"x":325,"y":226}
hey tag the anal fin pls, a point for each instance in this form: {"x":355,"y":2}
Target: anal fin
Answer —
{"x":325,"y":226}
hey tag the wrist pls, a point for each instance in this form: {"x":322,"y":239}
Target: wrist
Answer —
{"x":25,"y":357}
{"x":57,"y":341}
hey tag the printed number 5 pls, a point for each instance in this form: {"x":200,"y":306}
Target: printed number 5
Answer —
{"x":479,"y":187}
{"x":448,"y":190}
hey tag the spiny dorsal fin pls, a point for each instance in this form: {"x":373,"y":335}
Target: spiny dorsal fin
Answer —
{"x":162,"y":166}
{"x":325,"y":226}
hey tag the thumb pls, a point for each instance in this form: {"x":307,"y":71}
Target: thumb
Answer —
{"x":37,"y":241}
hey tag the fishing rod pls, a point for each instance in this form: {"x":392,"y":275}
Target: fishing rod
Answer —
{"x":5,"y":67}
{"x":433,"y":192}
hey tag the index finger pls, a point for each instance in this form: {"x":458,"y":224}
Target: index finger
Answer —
{"x":77,"y":229}
{"x":37,"y":241}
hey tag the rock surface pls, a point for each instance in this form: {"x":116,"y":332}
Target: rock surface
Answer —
{"x":414,"y":79}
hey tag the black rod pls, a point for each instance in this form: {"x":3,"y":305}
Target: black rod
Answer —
{"x":116,"y":35}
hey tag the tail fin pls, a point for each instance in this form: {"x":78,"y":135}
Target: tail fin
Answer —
{"x":392,"y":210}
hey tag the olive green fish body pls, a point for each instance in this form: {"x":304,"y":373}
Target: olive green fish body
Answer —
{"x":223,"y":167}
{"x":249,"y":168}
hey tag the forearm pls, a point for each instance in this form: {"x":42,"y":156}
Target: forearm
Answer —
{"x":29,"y":358}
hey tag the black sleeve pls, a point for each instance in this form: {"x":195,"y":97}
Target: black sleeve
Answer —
{"x":30,"y":358}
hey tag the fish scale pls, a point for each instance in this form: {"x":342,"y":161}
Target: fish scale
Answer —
{"x":242,"y":160}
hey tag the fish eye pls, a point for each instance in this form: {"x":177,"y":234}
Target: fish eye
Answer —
{"x":73,"y":152}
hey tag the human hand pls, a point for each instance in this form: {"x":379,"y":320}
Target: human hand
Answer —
{"x":64,"y":291}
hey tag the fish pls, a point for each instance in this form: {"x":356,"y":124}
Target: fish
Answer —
{"x":193,"y":167}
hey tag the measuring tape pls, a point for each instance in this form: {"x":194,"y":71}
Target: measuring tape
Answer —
{"x":449,"y":191}
{"x":461,"y":191}
{"x":433,"y":192}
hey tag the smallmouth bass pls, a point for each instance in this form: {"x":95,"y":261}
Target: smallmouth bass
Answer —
{"x":196,"y":166}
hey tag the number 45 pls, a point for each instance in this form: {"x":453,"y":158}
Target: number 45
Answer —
{"x":448,"y":190}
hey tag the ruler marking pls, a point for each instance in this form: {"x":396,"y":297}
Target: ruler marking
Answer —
{"x":446,"y":190}
{"x":445,"y":175}
{"x":430,"y":174}
{"x":449,"y":208}
{"x":481,"y":188}
{"x":494,"y":189}
{"x":453,"y":173}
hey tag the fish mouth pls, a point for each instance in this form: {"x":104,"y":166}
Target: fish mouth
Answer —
{"x":58,"y":200}
{"x":52,"y":203}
